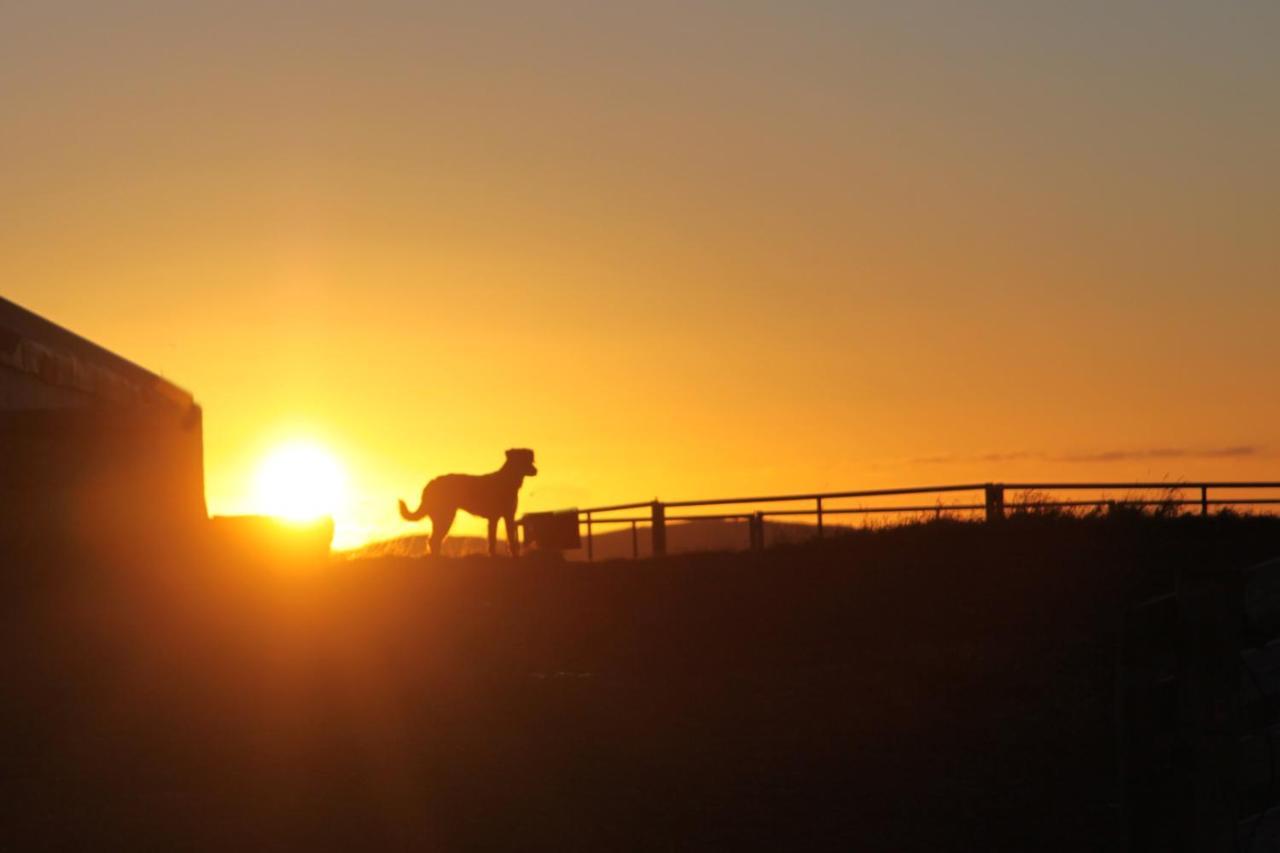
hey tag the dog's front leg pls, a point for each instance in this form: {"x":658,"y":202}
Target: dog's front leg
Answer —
{"x":513,"y":535}
{"x":493,"y":537}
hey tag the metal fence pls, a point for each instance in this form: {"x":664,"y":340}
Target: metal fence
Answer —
{"x":989,"y":501}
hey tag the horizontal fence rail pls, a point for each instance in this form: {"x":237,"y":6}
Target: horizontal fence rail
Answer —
{"x":988,"y":499}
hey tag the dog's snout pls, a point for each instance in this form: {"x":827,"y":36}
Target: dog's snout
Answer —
{"x":533,"y":471}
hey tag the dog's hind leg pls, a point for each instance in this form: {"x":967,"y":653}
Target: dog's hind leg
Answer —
{"x":440,"y":524}
{"x":493,"y":537}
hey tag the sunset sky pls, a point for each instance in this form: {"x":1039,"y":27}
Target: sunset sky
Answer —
{"x":681,"y":250}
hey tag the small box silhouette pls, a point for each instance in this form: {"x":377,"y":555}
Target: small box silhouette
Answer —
{"x":552,"y":531}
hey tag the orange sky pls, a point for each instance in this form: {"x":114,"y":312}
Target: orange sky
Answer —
{"x":693,"y":250}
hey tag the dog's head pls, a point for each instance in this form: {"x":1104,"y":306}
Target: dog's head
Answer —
{"x":521,"y":459}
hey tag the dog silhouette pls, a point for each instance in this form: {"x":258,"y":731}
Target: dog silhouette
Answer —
{"x":489,"y":496}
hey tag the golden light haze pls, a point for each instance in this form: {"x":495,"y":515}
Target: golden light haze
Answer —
{"x":680,"y":250}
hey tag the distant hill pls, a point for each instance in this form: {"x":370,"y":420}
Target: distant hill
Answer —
{"x":610,"y":542}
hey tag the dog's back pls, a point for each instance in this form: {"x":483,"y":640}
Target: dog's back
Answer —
{"x":484,"y":495}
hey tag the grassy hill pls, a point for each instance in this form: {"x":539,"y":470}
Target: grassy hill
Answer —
{"x":940,"y":686}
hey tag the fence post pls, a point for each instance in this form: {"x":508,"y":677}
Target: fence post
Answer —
{"x":995,"y":502}
{"x":820,"y":532}
{"x":1204,"y":500}
{"x":659,"y":529}
{"x":635,"y":541}
{"x":755,"y":524}
{"x":590,"y":540}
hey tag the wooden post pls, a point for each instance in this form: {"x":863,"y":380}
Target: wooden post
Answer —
{"x":659,"y":529}
{"x":820,"y":532}
{"x":1204,"y":500}
{"x":995,"y":502}
{"x":590,"y":541}
{"x":635,"y":541}
{"x":755,"y":525}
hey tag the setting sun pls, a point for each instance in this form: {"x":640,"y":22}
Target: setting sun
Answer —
{"x":299,"y":482}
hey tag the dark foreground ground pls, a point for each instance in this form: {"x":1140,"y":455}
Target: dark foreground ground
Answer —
{"x":946,"y":686}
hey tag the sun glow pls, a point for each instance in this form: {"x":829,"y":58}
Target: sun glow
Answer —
{"x":299,"y":481}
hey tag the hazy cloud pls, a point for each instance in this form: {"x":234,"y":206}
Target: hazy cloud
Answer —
{"x":1130,"y":455}
{"x":1239,"y":451}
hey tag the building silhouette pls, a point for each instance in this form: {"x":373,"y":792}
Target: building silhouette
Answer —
{"x":91,"y":444}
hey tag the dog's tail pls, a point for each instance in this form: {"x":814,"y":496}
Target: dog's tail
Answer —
{"x":416,"y":514}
